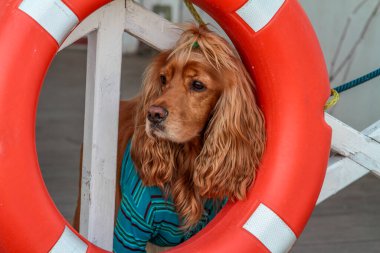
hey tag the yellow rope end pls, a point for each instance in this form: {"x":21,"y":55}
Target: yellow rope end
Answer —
{"x":333,"y":101}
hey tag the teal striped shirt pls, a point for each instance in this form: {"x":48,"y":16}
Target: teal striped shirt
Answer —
{"x":146,"y":215}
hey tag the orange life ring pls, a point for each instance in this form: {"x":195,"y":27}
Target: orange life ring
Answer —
{"x":280,"y":50}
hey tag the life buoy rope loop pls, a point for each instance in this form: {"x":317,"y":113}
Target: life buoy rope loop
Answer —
{"x":280,"y":50}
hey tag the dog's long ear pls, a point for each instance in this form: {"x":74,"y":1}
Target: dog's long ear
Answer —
{"x":234,"y":140}
{"x":153,"y":158}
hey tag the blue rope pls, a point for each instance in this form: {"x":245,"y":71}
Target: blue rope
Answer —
{"x":358,"y":81}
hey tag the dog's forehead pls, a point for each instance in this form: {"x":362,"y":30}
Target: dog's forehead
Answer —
{"x":194,"y":60}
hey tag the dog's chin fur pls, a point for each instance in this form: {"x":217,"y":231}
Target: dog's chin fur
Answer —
{"x":154,"y":132}
{"x":173,"y":134}
{"x":222,"y":160}
{"x":159,"y":133}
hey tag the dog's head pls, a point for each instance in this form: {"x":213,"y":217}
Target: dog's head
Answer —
{"x":187,"y":89}
{"x":199,"y":130}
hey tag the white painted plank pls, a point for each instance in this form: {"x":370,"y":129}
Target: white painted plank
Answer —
{"x":373,"y":131}
{"x":87,"y":135}
{"x":340,"y":175}
{"x":343,"y":171}
{"x":350,"y":143}
{"x":149,"y":27}
{"x":101,"y":122}
{"x":143,"y":24}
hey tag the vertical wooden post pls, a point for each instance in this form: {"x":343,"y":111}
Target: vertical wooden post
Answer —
{"x":101,"y":126}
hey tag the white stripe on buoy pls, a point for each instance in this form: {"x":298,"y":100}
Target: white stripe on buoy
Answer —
{"x":258,"y":13}
{"x":270,"y":230}
{"x":69,"y":242}
{"x":53,"y":15}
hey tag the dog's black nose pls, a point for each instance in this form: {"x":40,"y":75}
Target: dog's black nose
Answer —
{"x":157,"y":114}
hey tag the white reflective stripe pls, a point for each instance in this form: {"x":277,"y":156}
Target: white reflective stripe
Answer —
{"x":53,"y":15}
{"x":271,"y":230}
{"x":69,"y":242}
{"x":258,"y":13}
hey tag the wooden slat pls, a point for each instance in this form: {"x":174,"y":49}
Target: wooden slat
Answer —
{"x":348,"y":142}
{"x":143,"y":24}
{"x":149,"y":27}
{"x":344,"y":171}
{"x":340,"y":175}
{"x":101,"y":118}
{"x":87,"y":135}
{"x":373,"y":131}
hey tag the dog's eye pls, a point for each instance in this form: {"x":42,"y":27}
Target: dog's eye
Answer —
{"x":197,"y":86}
{"x":163,"y":79}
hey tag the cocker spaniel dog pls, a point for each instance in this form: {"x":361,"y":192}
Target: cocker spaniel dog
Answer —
{"x":190,"y":141}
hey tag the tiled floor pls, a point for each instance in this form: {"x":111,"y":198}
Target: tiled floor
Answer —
{"x":348,"y":222}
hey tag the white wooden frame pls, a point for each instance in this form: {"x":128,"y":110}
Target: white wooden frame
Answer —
{"x":355,"y":154}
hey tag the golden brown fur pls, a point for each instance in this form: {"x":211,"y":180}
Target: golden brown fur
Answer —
{"x":211,"y":142}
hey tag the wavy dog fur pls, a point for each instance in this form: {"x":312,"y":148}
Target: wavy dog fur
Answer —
{"x":229,"y":147}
